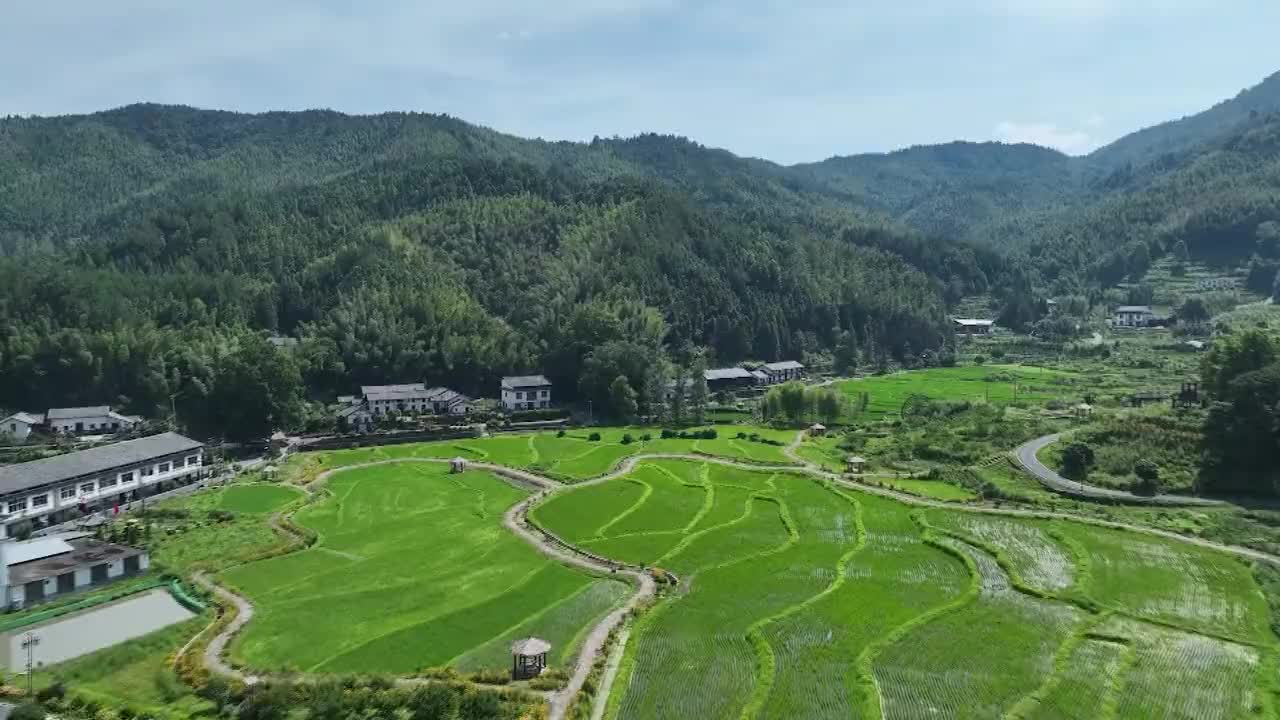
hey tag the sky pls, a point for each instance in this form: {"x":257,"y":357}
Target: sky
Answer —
{"x":786,"y":80}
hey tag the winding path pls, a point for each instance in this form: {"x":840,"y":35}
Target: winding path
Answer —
{"x":1027,"y":457}
{"x":516,"y":520}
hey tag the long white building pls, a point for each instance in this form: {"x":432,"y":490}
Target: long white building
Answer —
{"x":64,"y":487}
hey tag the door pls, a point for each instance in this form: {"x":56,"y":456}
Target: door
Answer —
{"x":34,"y":592}
{"x":66,"y":582}
{"x":98,"y":573}
{"x":131,"y":565}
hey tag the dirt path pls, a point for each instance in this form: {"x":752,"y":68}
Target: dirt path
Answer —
{"x":515,"y":519}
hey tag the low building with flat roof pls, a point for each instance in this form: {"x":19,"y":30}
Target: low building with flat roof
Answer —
{"x":973,"y":326}
{"x":33,"y":571}
{"x":728,"y":378}
{"x":63,"y":487}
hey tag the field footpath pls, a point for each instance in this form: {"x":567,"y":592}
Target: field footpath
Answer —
{"x":516,"y":520}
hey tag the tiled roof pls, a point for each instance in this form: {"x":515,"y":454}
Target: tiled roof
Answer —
{"x":523,"y":381}
{"x":78,"y":412}
{"x":33,"y":474}
{"x":734,"y":373}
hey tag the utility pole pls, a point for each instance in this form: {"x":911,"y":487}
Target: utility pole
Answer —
{"x":29,"y":643}
{"x":591,"y":412}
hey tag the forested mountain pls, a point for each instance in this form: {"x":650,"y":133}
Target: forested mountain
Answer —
{"x":146,"y":252}
{"x":150,"y":249}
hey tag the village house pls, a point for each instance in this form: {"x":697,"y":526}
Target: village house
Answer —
{"x":1133,"y":315}
{"x":64,"y":487}
{"x":360,"y":412}
{"x":93,"y":420}
{"x":526,"y":392}
{"x":37,"y":570}
{"x":721,"y":379}
{"x":973,"y":326}
{"x":784,"y":371}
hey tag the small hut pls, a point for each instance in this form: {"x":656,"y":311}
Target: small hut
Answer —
{"x":855,"y":465}
{"x":457,"y":465}
{"x":1083,"y":410}
{"x":528,"y":658}
{"x":817,"y":430}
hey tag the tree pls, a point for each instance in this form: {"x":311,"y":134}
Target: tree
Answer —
{"x":28,"y":711}
{"x":1179,"y":251}
{"x":1275,"y":289}
{"x":256,"y":390}
{"x":622,"y":399}
{"x":829,"y":405}
{"x":846,"y":354}
{"x":1148,"y":474}
{"x":1077,"y":459}
{"x":794,"y":401}
{"x":1193,"y":310}
{"x":1233,"y":356}
{"x":679,"y":396}
{"x":698,"y":389}
{"x":1241,"y":437}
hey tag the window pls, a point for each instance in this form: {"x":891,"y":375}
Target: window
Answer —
{"x":126,"y":478}
{"x":67,"y":493}
{"x":86,"y":488}
{"x":519,"y":396}
{"x":545,"y":393}
{"x":166,"y":467}
{"x":106,"y":483}
{"x":17,"y":506}
{"x":147,"y":470}
{"x":39,"y":500}
{"x":193,"y":460}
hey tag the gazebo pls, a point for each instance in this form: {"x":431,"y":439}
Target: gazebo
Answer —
{"x":457,"y":465}
{"x":854,"y":464}
{"x":817,"y":429}
{"x":1083,"y":410}
{"x":528,"y":658}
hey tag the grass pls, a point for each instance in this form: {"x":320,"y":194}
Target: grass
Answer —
{"x":569,"y":458}
{"x":933,"y":489}
{"x":1169,"y":439}
{"x":799,"y":600}
{"x":413,"y":569}
{"x":135,"y":674}
{"x":201,"y":541}
{"x":257,"y":498}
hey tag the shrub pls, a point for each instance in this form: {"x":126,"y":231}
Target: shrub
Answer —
{"x":997,"y":354}
{"x":668,"y":434}
{"x":979,"y":359}
{"x":1077,"y":458}
{"x":28,"y":711}
{"x":54,"y":692}
{"x":560,"y":433}
{"x":742,"y":436}
{"x":626,"y":439}
{"x":594,"y":437}
{"x":221,"y":516}
{"x":646,"y":437}
{"x":1148,"y":474}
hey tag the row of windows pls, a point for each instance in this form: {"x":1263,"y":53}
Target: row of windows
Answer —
{"x":533,"y":394}
{"x":69,"y":492}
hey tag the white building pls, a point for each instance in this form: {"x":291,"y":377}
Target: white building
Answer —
{"x":359,"y":412}
{"x":33,"y":571}
{"x":19,"y":425}
{"x":973,"y":326}
{"x":1133,"y":315}
{"x":526,"y":392}
{"x":63,"y":487}
{"x":780,"y":372}
{"x":94,"y":420}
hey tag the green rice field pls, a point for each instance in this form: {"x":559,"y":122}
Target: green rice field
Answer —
{"x":257,"y":497}
{"x":413,"y":570}
{"x":1000,"y":384}
{"x":570,"y":458}
{"x":799,"y":599}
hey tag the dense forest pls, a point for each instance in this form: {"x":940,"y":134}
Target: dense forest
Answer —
{"x":146,"y":253}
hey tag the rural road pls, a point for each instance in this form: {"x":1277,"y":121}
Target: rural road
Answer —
{"x":1026,"y":455}
{"x":516,"y":520}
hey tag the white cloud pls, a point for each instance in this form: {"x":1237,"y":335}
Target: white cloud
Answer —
{"x":1072,"y":142}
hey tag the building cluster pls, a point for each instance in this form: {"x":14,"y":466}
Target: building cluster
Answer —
{"x":66,"y":487}
{"x":33,"y":571}
{"x":93,"y":420}
{"x":734,"y":378}
{"x":362,"y":412}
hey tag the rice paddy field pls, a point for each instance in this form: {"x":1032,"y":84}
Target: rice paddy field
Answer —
{"x":998,"y":384}
{"x":801,"y":599}
{"x":570,"y":458}
{"x":413,"y":570}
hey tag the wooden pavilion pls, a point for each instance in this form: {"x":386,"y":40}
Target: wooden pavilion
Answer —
{"x":457,"y":465}
{"x":528,"y":658}
{"x":855,"y":465}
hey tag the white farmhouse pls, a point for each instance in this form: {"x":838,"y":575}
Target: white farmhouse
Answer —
{"x":18,"y":426}
{"x":1133,"y":315}
{"x":97,"y":419}
{"x":526,"y":392}
{"x":63,"y":487}
{"x":973,"y":326}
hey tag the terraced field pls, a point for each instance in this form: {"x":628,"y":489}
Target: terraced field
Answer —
{"x":798,"y":599}
{"x":572,"y":457}
{"x":992,"y":383}
{"x":413,"y":569}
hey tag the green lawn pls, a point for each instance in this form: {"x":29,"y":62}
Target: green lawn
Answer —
{"x":799,"y":600}
{"x":569,"y":458}
{"x":1000,"y":384}
{"x":201,"y":540}
{"x":257,"y":497}
{"x":413,"y":570}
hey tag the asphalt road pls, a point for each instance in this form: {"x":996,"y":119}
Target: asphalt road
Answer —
{"x":1026,"y":455}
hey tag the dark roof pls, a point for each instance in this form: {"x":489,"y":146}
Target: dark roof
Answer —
{"x":77,"y":412}
{"x":524,"y":381}
{"x":83,"y":552}
{"x":54,"y":469}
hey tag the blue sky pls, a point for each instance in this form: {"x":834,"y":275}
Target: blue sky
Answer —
{"x":788,"y":81}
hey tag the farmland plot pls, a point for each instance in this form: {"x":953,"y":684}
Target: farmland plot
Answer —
{"x":978,"y":661}
{"x":1087,"y":685}
{"x":422,"y":571}
{"x":1039,"y":560}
